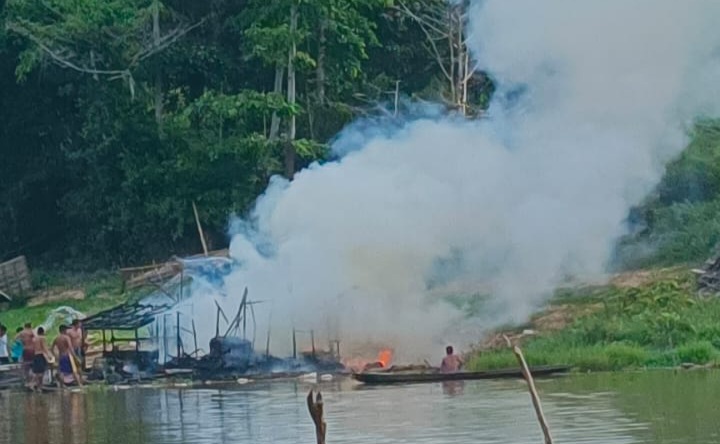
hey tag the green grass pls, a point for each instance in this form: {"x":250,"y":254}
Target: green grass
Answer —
{"x":102,"y":290}
{"x":679,"y":220}
{"x":660,"y":325}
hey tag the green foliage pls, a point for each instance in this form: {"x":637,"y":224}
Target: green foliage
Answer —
{"x":699,"y":352}
{"x":118,"y":114}
{"x":658,"y":325}
{"x":681,"y":223}
{"x":587,"y":358}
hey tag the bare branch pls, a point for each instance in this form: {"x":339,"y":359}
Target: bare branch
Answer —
{"x":435,"y":51}
{"x":113,"y":74}
{"x":423,"y":21}
{"x":471,"y":72}
{"x":61,"y":60}
{"x":165,"y":41}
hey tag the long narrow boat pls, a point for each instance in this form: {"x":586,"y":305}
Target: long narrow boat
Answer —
{"x":435,"y":376}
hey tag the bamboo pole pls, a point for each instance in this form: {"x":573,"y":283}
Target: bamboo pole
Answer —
{"x":76,"y":373}
{"x":531,"y":387}
{"x":316,"y":413}
{"x":200,"y":230}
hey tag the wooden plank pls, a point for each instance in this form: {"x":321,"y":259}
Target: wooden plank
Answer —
{"x":15,"y":276}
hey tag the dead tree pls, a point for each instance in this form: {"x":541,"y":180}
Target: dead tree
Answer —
{"x":444,"y":25}
{"x":149,"y":39}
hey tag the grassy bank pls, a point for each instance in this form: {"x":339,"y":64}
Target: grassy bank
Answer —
{"x":87,"y":293}
{"x":654,"y":324}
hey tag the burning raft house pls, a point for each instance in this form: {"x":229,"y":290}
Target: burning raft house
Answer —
{"x":157,"y":335}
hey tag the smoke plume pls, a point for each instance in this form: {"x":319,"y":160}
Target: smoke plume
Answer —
{"x":593,"y":98}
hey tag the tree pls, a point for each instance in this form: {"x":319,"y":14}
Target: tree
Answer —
{"x":118,"y":114}
{"x":444,"y":25}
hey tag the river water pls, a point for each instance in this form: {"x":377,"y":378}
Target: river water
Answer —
{"x":650,"y":407}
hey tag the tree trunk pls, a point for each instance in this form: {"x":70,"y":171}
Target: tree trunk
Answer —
{"x":289,"y":148}
{"x":320,"y":69}
{"x":158,"y":73}
{"x":461,"y":58}
{"x":277,"y":89}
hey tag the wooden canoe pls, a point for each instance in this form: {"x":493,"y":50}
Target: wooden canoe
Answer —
{"x":436,"y":376}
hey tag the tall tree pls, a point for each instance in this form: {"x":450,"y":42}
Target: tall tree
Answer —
{"x":444,"y":24}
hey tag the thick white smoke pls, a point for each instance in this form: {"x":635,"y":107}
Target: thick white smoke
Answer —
{"x":593,"y":100}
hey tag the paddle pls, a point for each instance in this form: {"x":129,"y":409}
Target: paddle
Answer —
{"x":76,"y":374}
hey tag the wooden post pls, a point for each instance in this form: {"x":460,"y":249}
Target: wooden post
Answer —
{"x":397,"y":96}
{"x":294,"y":341}
{"x":267,"y":344}
{"x":200,"y":230}
{"x":316,"y":413}
{"x":217,"y":321}
{"x":195,"y":337}
{"x":531,"y":387}
{"x":177,"y":333}
{"x":312,"y":342}
{"x":182,"y":278}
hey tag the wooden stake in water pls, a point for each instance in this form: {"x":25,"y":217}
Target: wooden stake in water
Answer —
{"x":316,"y":413}
{"x":531,"y":387}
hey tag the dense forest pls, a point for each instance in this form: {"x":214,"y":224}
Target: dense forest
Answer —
{"x":118,"y":115}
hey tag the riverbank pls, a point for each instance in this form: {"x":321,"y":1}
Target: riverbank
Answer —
{"x":86,"y":293}
{"x":649,"y":319}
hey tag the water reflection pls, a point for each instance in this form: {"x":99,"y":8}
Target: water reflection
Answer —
{"x":453,"y":388}
{"x":591,"y":410}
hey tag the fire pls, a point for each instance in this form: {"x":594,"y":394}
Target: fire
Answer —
{"x":385,"y":357}
{"x":368,"y":357}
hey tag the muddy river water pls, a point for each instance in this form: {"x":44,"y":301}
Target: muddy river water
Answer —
{"x":652,"y":407}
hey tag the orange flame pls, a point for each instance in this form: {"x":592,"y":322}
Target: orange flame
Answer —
{"x":385,"y":357}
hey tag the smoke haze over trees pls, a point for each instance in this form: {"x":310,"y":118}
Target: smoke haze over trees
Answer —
{"x":117,"y":115}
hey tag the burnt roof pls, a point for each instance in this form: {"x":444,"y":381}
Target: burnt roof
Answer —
{"x":125,"y":317}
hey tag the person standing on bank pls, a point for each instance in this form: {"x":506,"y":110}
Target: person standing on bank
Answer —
{"x":27,"y":337}
{"x":4,"y":349}
{"x":16,"y":351}
{"x":41,"y":358}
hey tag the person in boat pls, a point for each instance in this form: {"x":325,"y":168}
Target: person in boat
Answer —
{"x":40,"y":359}
{"x":451,"y":362}
{"x":27,"y":338}
{"x":4,"y":350}
{"x":62,"y":348}
{"x":16,"y":351}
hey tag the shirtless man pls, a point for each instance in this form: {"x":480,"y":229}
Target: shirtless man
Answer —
{"x":76,"y":335}
{"x":27,"y":338}
{"x":41,"y":358}
{"x":451,"y":362}
{"x":62,"y":348}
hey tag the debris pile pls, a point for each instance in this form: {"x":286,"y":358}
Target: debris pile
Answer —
{"x":708,"y":281}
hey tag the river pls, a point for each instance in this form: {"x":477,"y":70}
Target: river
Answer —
{"x":651,"y":407}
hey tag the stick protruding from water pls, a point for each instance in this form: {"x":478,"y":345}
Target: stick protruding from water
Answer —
{"x":531,"y":387}
{"x":315,"y":406}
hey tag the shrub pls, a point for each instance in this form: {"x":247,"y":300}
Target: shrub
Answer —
{"x":699,"y":352}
